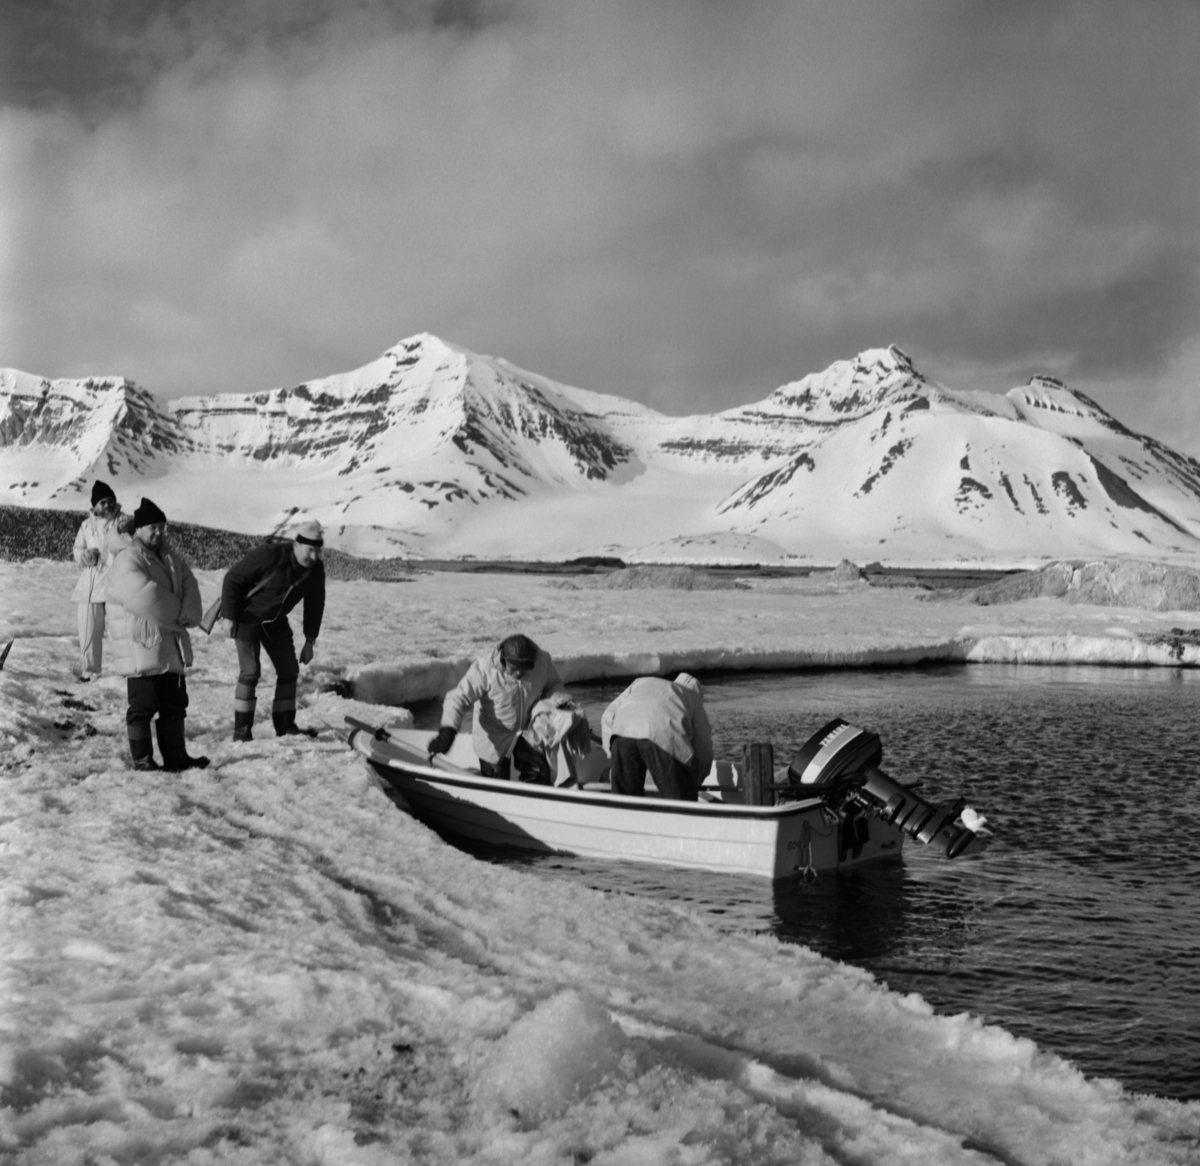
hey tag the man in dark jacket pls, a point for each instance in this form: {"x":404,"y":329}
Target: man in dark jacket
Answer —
{"x":259,"y":591}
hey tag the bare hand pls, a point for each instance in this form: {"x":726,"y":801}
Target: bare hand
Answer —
{"x":91,"y":557}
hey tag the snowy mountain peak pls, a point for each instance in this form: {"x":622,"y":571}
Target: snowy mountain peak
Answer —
{"x":850,"y":388}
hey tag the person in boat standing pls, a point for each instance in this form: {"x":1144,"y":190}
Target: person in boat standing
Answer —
{"x":153,"y":598}
{"x":660,"y":726}
{"x":503,"y":687}
{"x":259,"y":591}
{"x":104,"y":533}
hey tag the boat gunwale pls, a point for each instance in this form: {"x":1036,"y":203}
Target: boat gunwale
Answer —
{"x":576,"y":796}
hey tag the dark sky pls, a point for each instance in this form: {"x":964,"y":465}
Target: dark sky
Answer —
{"x":686,"y":202}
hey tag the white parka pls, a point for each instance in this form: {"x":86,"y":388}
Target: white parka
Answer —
{"x":669,"y":714}
{"x":503,"y":702}
{"x":100,"y":535}
{"x":152,"y":600}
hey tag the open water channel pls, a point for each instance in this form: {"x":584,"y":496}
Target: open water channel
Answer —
{"x":1078,"y":928}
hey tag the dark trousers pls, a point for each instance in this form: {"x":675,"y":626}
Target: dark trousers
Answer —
{"x":530,"y":763}
{"x":276,"y":639}
{"x":164,"y":696}
{"x":631,"y":757}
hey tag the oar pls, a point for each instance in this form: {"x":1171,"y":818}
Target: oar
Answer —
{"x":378,"y":733}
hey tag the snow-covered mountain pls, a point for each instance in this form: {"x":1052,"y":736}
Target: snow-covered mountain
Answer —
{"x":433,"y":450}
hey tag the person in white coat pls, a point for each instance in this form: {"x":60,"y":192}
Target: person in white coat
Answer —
{"x":154,"y":599}
{"x":658,"y":726}
{"x":100,"y":538}
{"x":502,"y":687}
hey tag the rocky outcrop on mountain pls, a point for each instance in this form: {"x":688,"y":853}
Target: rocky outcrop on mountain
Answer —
{"x":1147,"y":586}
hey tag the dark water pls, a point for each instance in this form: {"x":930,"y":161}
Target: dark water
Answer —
{"x":1079,"y":928}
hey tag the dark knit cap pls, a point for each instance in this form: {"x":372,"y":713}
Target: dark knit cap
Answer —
{"x":147,"y":514}
{"x":519,"y":650}
{"x":101,"y":490}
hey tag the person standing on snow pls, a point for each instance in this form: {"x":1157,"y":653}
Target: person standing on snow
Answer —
{"x":99,"y":539}
{"x":259,"y":591}
{"x":662,"y":727}
{"x":153,"y":598}
{"x":503,"y":687}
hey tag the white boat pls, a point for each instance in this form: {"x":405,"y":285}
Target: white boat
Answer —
{"x":807,"y":835}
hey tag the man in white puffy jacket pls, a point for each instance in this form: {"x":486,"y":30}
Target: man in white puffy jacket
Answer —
{"x":99,"y":539}
{"x":153,"y":599}
{"x":662,"y":727}
{"x":503,"y":688}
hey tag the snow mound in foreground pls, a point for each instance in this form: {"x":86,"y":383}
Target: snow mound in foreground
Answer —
{"x":551,"y":1057}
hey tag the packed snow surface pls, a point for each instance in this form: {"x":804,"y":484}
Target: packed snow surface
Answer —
{"x":267,"y":962}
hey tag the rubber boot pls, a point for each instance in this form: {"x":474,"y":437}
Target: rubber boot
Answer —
{"x":283,"y":712}
{"x":283,"y":709}
{"x":244,"y":704}
{"x":174,"y":750}
{"x":141,"y":751}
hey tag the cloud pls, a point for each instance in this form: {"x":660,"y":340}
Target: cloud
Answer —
{"x":688,"y":203}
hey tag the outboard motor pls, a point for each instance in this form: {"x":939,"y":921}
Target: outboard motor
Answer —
{"x":840,"y":763}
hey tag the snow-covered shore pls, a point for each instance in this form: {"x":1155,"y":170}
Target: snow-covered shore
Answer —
{"x":266,"y":962}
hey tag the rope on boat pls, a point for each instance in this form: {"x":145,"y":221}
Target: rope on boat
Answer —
{"x":806,"y":872}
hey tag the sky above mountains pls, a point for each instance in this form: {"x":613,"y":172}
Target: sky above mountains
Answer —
{"x":687,"y":203}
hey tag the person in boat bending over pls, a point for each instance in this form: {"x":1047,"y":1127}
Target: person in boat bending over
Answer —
{"x":503,"y":688}
{"x":662,"y":727}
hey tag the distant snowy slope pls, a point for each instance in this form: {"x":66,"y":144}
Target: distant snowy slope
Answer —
{"x":56,"y":435}
{"x":435,"y":450}
{"x":1036,"y":471}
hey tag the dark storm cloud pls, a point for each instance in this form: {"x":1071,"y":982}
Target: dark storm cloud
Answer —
{"x":685,"y":202}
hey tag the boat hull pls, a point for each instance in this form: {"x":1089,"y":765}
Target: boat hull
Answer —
{"x":776,"y":842}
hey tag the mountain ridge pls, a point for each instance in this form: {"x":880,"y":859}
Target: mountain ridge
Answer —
{"x":433,"y":450}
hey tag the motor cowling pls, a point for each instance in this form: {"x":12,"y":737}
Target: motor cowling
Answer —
{"x":840,"y":763}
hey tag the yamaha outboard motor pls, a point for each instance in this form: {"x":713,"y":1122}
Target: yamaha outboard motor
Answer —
{"x":840,"y":763}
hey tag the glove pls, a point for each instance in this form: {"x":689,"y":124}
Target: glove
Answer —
{"x":91,"y":557}
{"x":306,"y":653}
{"x":442,"y":740}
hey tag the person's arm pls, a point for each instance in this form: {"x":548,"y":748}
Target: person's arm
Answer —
{"x":84,"y":555}
{"x":140,"y":595}
{"x":458,"y":700}
{"x":239,"y":580}
{"x":191,"y":607}
{"x":463,"y":696}
{"x":314,"y":611}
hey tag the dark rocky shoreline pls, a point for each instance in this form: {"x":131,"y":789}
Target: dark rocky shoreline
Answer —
{"x":34,"y":533}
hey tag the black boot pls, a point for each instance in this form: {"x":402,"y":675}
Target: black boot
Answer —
{"x":244,"y":704}
{"x":284,"y":720}
{"x":141,"y":752}
{"x":174,"y":750}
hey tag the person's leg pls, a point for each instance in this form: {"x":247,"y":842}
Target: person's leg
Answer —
{"x":172,"y":709}
{"x":530,"y":764}
{"x":244,"y":698}
{"x":627,"y":769}
{"x":143,"y":704}
{"x":674,"y":779}
{"x":91,"y":629}
{"x":281,"y":650}
{"x":96,"y":656}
